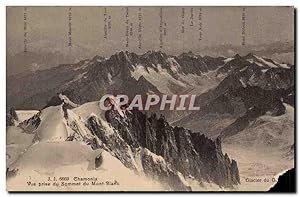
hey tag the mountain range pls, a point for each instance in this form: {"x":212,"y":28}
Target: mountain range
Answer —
{"x":143,"y":143}
{"x":238,"y":96}
{"x":87,"y":80}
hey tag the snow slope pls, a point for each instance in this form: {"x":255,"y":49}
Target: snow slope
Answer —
{"x":267,"y":131}
{"x":86,"y":109}
{"x":160,"y":78}
{"x":16,"y":142}
{"x":53,"y":126}
{"x":46,"y":151}
{"x":74,"y":159}
{"x":263,"y":150}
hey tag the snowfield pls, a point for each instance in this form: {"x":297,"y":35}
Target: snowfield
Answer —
{"x":263,"y":150}
{"x":34,"y":157}
{"x":74,"y":159}
{"x":53,"y":126}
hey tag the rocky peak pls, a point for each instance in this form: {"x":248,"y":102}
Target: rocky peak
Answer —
{"x":192,"y":154}
{"x":155,"y":58}
{"x":98,"y":58}
{"x":237,"y":56}
{"x":31,"y":124}
{"x":151,"y":165}
{"x":144,"y":86}
{"x":188,"y":54}
{"x":154,"y":55}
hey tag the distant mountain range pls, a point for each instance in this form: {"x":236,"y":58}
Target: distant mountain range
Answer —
{"x":87,"y":80}
{"x":231,"y":92}
{"x":46,"y":54}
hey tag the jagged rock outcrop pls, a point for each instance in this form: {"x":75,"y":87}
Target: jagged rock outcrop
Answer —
{"x":110,"y":140}
{"x":158,"y":169}
{"x":192,"y":154}
{"x":32,"y":123}
{"x":136,"y":158}
{"x":191,"y":63}
{"x":11,"y":117}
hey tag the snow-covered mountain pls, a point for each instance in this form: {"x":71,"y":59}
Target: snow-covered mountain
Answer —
{"x":252,"y":112}
{"x":227,"y":88}
{"x":87,"y":80}
{"x":248,"y":91}
{"x":152,"y":72}
{"x":143,"y":148}
{"x":245,"y":101}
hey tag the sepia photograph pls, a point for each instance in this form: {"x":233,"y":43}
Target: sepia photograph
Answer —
{"x":150,"y":98}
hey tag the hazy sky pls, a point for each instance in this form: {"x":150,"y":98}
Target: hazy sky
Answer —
{"x":219,"y":25}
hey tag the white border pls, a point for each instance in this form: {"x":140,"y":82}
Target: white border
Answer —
{"x":5,"y":3}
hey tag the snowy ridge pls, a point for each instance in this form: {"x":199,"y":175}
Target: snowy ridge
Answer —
{"x":65,"y":130}
{"x":264,"y":62}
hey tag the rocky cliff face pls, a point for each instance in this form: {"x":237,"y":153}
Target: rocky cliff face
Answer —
{"x":31,"y":124}
{"x":137,"y":158}
{"x":11,"y":117}
{"x":191,"y":154}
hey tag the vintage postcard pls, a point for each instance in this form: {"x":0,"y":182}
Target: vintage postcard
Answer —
{"x":148,"y":99}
